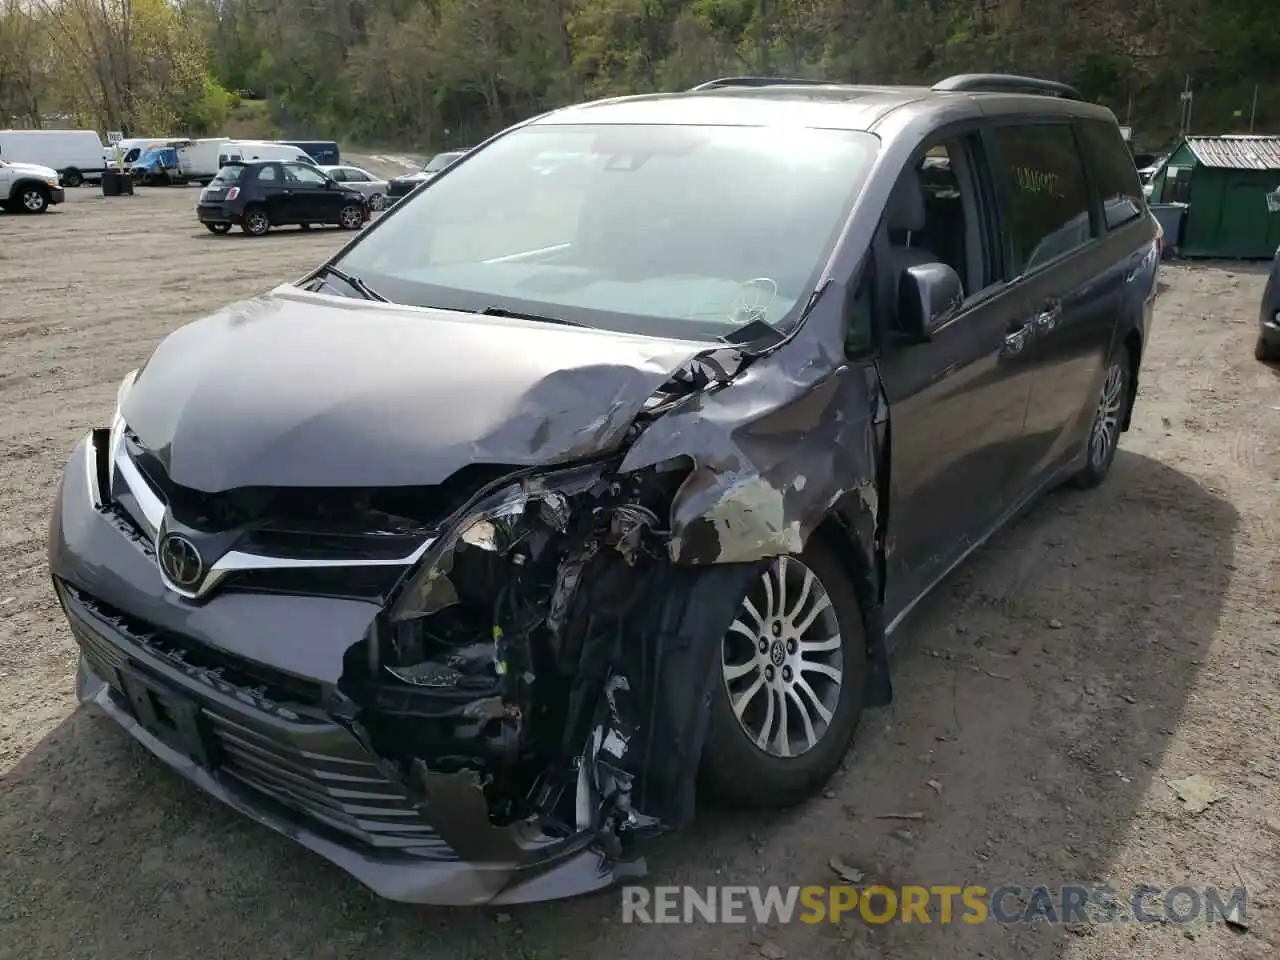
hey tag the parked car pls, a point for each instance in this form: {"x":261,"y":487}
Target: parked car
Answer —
{"x":462,"y":559}
{"x":127,"y":152}
{"x":158,"y":166}
{"x":374,"y":188}
{"x":29,"y":187}
{"x":75,"y":154}
{"x":401,"y":186}
{"x":261,"y":195}
{"x":323,"y":152}
{"x":1267,"y":349}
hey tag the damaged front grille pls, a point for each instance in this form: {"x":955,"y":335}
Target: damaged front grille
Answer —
{"x":200,"y":661}
{"x":320,"y":770}
{"x":310,"y":765}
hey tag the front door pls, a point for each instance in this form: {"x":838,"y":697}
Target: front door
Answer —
{"x":956,"y":403}
{"x":318,"y":200}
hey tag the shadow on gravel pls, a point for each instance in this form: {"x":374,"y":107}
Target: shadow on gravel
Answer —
{"x":1037,"y":690}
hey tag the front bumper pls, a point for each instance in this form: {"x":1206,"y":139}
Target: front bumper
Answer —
{"x":57,"y":195}
{"x":181,"y":679}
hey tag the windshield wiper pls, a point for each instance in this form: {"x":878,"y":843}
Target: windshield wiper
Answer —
{"x":355,"y":283}
{"x":537,"y":318}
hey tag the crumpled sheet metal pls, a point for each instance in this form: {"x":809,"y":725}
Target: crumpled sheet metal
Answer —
{"x":774,"y":452}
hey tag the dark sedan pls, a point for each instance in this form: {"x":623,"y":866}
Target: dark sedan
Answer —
{"x":264,"y":194}
{"x":403,"y":186}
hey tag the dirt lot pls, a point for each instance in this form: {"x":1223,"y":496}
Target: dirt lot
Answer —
{"x":1107,"y":644}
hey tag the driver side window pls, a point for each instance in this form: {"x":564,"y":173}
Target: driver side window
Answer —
{"x":297,"y":173}
{"x":935,"y":215}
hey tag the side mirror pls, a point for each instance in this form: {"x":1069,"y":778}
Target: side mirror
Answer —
{"x":929,"y":294}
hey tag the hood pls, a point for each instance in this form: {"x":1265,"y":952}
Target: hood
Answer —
{"x":296,"y":389}
{"x":33,"y":170}
{"x":416,"y":176}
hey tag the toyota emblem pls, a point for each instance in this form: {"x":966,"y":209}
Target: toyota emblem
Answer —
{"x":180,"y":561}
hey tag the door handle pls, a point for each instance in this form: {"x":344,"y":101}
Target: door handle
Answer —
{"x":1016,"y":339}
{"x":1048,"y":316}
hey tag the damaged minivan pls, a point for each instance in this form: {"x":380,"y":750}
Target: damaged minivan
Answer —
{"x":603,"y":468}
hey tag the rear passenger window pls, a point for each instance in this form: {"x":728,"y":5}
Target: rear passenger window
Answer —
{"x":1114,"y":171}
{"x":268,"y":173}
{"x":1047,"y":211}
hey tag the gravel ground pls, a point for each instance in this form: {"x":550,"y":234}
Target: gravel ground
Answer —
{"x":1105,"y":645}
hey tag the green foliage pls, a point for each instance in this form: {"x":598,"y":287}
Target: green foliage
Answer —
{"x":435,"y":73}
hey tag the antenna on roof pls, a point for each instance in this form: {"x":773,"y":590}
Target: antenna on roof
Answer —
{"x":1006,"y":83}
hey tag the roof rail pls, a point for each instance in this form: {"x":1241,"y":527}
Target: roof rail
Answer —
{"x":759,"y":82}
{"x":1006,"y":83}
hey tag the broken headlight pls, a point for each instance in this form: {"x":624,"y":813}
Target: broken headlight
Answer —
{"x":497,"y":524}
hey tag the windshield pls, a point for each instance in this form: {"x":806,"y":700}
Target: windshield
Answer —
{"x":666,"y":230}
{"x":439,"y":162}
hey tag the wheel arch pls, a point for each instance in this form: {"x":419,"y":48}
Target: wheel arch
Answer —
{"x":16,"y":190}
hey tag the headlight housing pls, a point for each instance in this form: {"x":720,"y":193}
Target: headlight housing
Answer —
{"x":117,"y":425}
{"x":493,"y":523}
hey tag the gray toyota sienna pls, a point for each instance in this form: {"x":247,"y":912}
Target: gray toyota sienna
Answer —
{"x":604,"y":467}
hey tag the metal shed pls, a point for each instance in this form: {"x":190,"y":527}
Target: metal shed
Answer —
{"x":1225,"y":180}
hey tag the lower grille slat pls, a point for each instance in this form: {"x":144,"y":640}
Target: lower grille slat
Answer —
{"x":301,"y":762}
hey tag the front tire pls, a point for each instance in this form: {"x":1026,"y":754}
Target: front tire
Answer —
{"x":1104,"y":431}
{"x":218,"y":228}
{"x":33,"y":199}
{"x":351,"y":217}
{"x":792,"y":678}
{"x":378,"y":202}
{"x":255,"y":222}
{"x":1265,"y":352}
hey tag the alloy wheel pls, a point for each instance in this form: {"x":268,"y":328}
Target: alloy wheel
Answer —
{"x":782,"y":660}
{"x":256,"y":222}
{"x":33,"y":200}
{"x":378,"y":201}
{"x":1106,"y":422}
{"x":351,"y":217}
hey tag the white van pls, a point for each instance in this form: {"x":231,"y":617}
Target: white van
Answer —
{"x":199,"y":159}
{"x":75,"y":154}
{"x":250,"y":150}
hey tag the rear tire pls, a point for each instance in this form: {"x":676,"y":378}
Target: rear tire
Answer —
{"x":793,"y":663}
{"x":351,"y":217}
{"x":255,"y":221}
{"x":71,"y":177}
{"x":218,"y":228}
{"x":1104,"y":430}
{"x":1265,"y":352}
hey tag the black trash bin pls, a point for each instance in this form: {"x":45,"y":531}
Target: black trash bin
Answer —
{"x":116,"y":184}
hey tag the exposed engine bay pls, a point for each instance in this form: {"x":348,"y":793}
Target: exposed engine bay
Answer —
{"x":526,"y":653}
